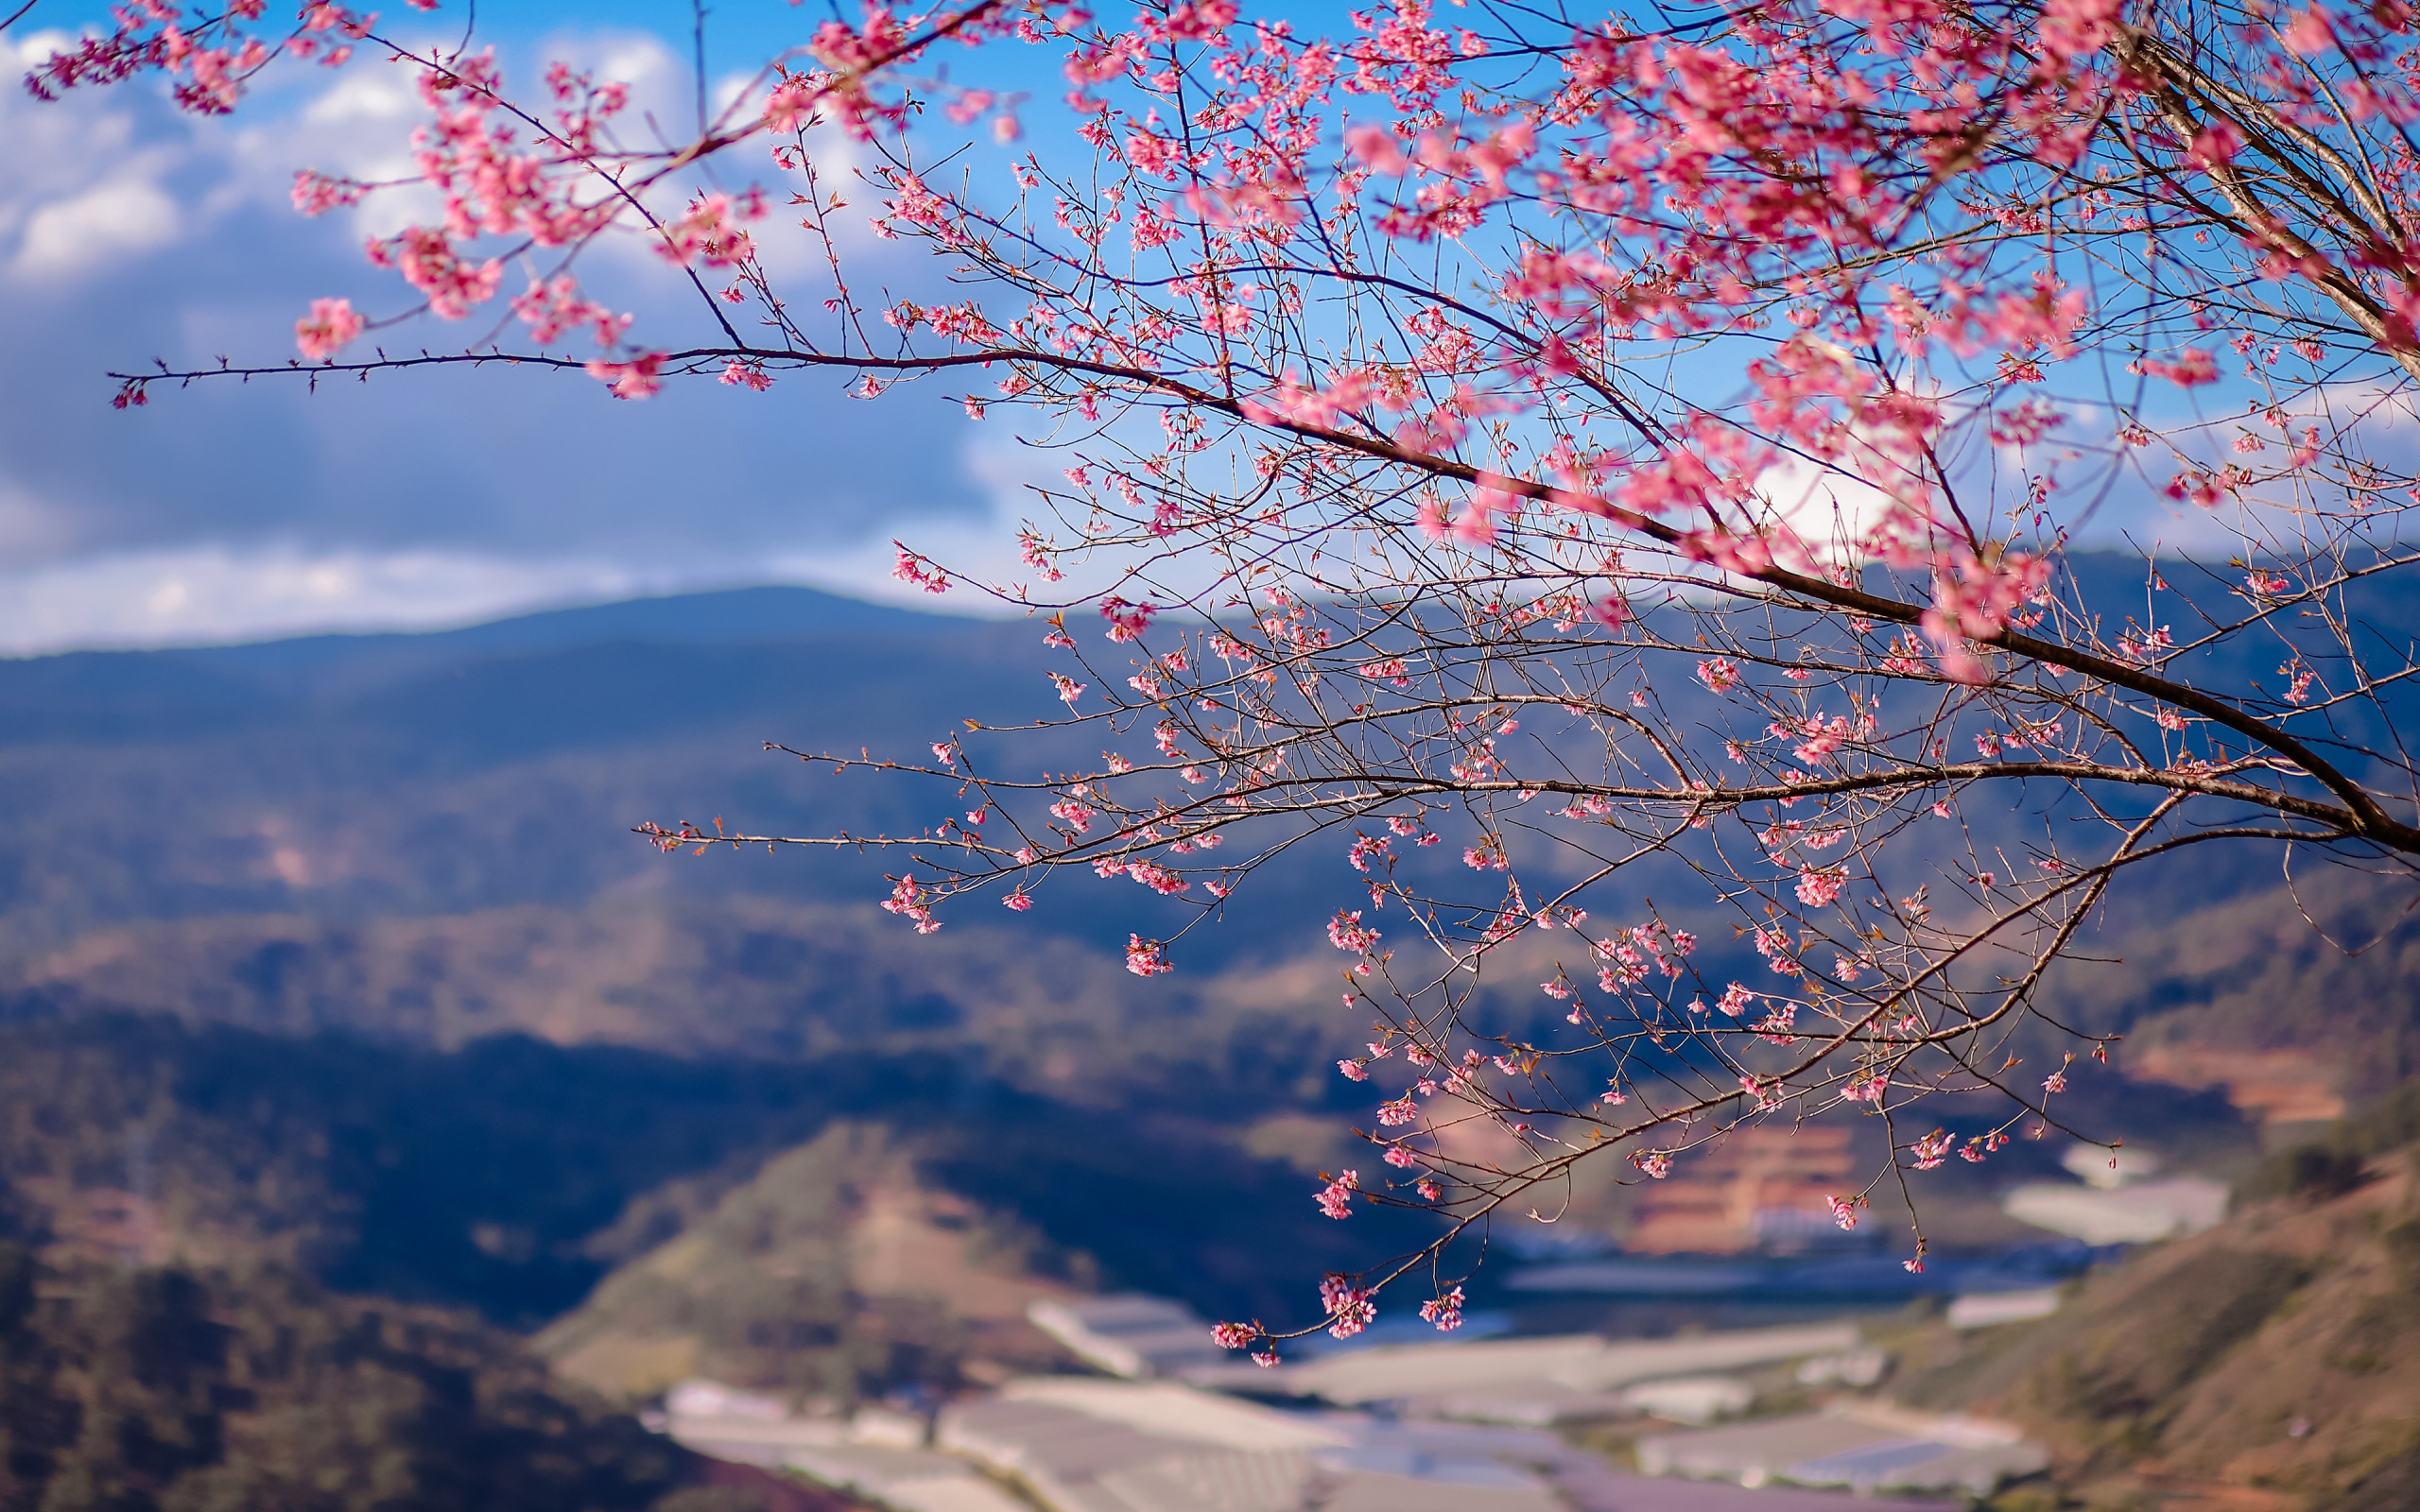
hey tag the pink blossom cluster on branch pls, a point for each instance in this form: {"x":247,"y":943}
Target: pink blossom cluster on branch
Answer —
{"x":1619,"y":453}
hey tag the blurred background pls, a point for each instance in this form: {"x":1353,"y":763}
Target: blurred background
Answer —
{"x":383,"y":1125}
{"x":359,"y":1063}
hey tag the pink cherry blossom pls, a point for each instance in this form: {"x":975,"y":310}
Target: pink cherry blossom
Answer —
{"x":331,"y":326}
{"x":1336,"y":1198}
{"x":1146,"y":957}
{"x":1350,"y":1307}
{"x":1338,"y":331}
{"x":636,"y":379}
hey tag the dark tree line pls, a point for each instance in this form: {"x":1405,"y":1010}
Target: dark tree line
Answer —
{"x":180,"y":1390}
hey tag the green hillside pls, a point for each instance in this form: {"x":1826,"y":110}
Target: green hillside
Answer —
{"x":2268,"y":1365}
{"x":751,"y":977}
{"x":839,"y":1270}
{"x":511,"y":1175}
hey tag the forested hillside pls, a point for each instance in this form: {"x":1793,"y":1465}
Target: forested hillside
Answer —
{"x":511,"y":1174}
{"x":2279,"y":1353}
{"x":251,"y":1390}
{"x":422,"y":842}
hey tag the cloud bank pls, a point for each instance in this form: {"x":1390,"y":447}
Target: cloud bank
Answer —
{"x":131,"y":233}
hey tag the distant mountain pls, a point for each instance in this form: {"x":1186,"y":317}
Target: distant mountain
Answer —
{"x":467,"y":1180}
{"x":124,"y":693}
{"x":740,"y":616}
{"x":750,"y":977}
{"x":721,"y":617}
{"x":351,"y":777}
{"x":2298,"y":1000}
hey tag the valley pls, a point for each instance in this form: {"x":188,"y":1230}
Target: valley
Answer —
{"x":338,"y":989}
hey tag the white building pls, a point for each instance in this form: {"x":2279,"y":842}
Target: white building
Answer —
{"x":1543,"y":1381}
{"x":742,"y":1427}
{"x":1864,"y":1448}
{"x":1102,"y":1446}
{"x":2138,"y":1214}
{"x":1138,"y":1337}
{"x":1986,"y":1309}
{"x":908,"y":1480}
{"x":875,"y":1456}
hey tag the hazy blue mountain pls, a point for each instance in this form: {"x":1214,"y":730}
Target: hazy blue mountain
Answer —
{"x":182,"y":693}
{"x":365,"y":774}
{"x":353,"y":777}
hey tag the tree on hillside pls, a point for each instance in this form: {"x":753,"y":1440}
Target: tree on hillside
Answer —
{"x":1595,"y":445}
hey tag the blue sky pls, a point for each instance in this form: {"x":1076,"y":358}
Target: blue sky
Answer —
{"x":129,"y":231}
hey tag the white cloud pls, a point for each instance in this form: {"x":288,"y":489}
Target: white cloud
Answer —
{"x":80,"y":184}
{"x":973,"y":548}
{"x":1826,"y":507}
{"x":427,"y":499}
{"x":84,"y":234}
{"x":34,"y":48}
{"x":216,"y":594}
{"x":362,"y":96}
{"x":977,"y":549}
{"x":32,"y":528}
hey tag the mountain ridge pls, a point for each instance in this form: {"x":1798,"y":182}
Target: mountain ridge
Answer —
{"x":749,"y":611}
